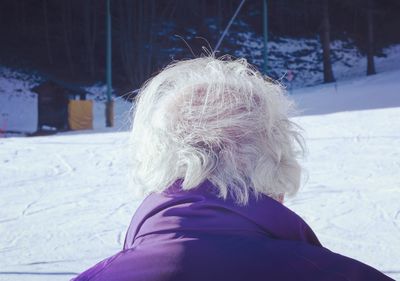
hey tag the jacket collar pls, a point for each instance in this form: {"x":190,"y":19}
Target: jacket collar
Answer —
{"x":201,"y":210}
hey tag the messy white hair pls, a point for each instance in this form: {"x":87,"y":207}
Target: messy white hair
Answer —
{"x":218,"y":120}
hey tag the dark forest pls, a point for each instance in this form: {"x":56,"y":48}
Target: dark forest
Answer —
{"x":67,"y":38}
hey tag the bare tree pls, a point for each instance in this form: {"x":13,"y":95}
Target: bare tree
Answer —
{"x":46,"y":28}
{"x":370,"y":41}
{"x":136,"y":38}
{"x":90,"y":31}
{"x":326,"y":49}
{"x":67,"y":28}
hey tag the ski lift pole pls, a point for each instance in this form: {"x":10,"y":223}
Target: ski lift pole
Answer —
{"x":109,"y":102}
{"x":228,"y":26}
{"x":265,"y":31}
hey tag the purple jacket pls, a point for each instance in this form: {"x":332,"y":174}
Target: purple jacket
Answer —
{"x":194,"y":235}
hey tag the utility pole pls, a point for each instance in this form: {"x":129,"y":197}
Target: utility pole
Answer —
{"x":265,"y":30}
{"x":109,"y":102}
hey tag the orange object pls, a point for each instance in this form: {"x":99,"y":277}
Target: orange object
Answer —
{"x":80,"y":114}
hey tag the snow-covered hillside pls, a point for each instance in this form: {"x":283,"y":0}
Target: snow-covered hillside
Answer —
{"x":19,"y":105}
{"x":372,"y":92}
{"x":298,"y":62}
{"x":65,"y":201}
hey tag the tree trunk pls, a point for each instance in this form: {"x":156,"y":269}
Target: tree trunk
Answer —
{"x":90,"y":29}
{"x":46,"y":27}
{"x":219,"y":17}
{"x":66,"y":18}
{"x":126,"y":38}
{"x":370,"y":41}
{"x":150,"y":50}
{"x":326,"y":50}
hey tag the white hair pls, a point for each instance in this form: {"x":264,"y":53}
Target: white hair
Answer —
{"x":218,"y":120}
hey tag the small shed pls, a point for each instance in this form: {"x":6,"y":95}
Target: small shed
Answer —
{"x":63,"y":107}
{"x":52,"y":106}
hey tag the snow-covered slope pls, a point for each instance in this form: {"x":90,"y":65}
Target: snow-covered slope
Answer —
{"x":376,"y":91}
{"x":302,"y":58}
{"x":352,"y":195}
{"x":65,"y":202}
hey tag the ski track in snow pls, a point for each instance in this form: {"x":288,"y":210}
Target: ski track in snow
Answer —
{"x":351,"y":198}
{"x":66,"y":202}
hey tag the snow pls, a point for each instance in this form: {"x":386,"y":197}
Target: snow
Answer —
{"x":18,"y":105}
{"x":376,"y":91}
{"x":18,"y":112}
{"x":66,"y":201}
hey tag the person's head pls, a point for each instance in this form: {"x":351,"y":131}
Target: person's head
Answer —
{"x":216,"y":119}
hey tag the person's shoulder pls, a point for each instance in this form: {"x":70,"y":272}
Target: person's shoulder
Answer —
{"x":318,"y":263}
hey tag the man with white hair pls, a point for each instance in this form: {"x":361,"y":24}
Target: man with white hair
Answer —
{"x":214,"y":147}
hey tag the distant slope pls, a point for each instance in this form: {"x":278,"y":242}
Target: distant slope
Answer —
{"x":377,"y":91}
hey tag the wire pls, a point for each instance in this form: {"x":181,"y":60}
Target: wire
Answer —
{"x":228,"y":26}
